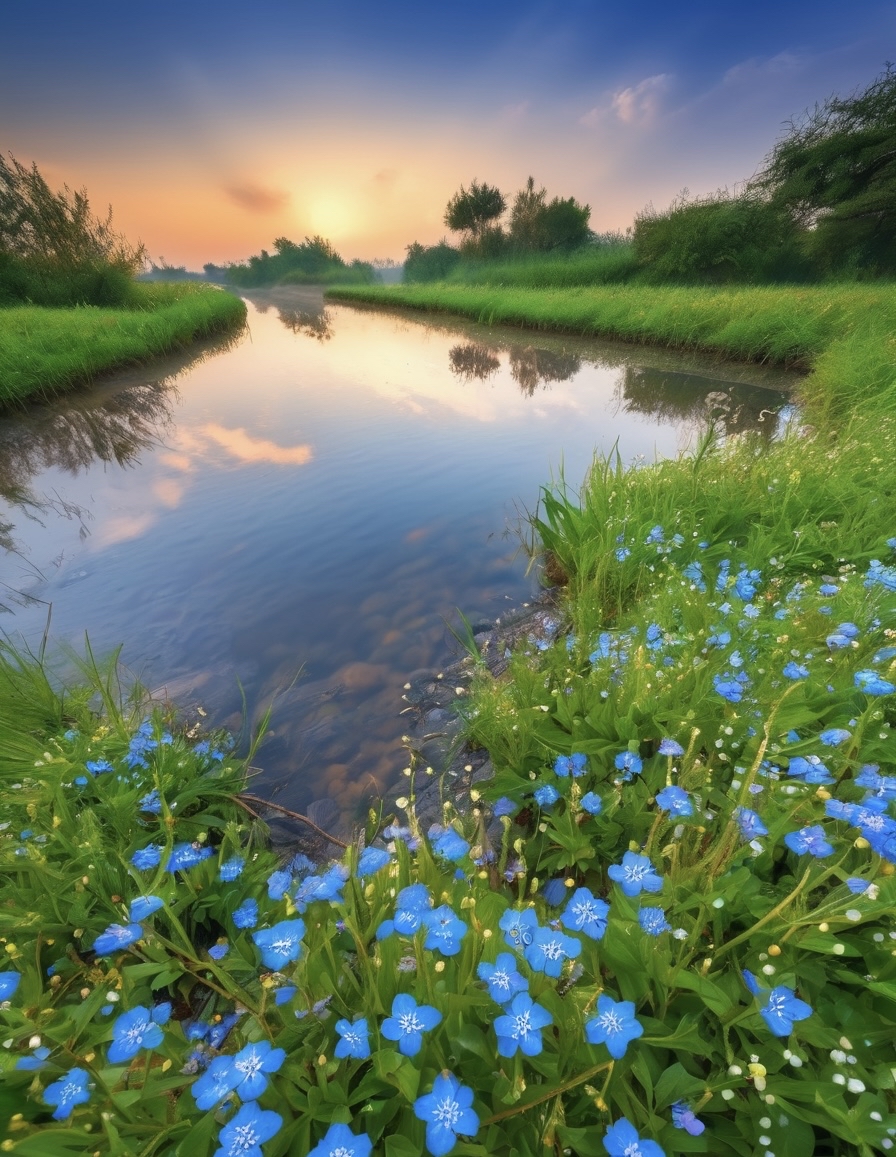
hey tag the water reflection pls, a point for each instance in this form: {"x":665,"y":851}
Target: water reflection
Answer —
{"x":324,"y":506}
{"x":662,"y":394}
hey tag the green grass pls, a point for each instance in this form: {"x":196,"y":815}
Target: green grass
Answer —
{"x":44,"y":351}
{"x":598,"y":265}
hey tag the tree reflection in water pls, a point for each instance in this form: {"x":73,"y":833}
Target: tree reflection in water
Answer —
{"x":665,"y":395}
{"x":317,"y":325}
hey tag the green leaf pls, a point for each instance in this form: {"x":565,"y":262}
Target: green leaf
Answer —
{"x":398,"y":1146}
{"x":676,"y":1084}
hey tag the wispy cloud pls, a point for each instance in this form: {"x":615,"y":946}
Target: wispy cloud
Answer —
{"x":257,"y":199}
{"x":756,"y":68}
{"x":637,"y":104}
{"x":245,"y":448}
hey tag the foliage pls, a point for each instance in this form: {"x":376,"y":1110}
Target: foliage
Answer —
{"x":429,"y":263}
{"x":473,"y":211}
{"x":740,"y":237}
{"x":44,"y":351}
{"x":313,"y":261}
{"x":835,"y":173}
{"x":53,"y":250}
{"x":537,"y":224}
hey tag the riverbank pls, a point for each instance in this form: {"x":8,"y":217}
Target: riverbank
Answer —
{"x":44,"y":351}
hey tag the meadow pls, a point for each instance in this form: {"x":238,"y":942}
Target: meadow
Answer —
{"x":664,"y":925}
{"x":45,"y":349}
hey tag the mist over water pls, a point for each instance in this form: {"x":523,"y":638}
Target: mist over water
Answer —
{"x":301,"y":513}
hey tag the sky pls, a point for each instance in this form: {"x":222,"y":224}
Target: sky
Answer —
{"x":213,"y":128}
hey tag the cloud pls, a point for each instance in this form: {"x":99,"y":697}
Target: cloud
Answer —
{"x":640,"y":103}
{"x":256,"y":199}
{"x":755,"y":69}
{"x":247,"y":449}
{"x":637,"y":104}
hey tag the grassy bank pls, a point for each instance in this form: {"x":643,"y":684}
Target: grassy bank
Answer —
{"x":44,"y":350}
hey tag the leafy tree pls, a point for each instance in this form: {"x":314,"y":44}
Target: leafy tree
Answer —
{"x":835,"y":173}
{"x":537,"y":225}
{"x":432,"y":263}
{"x":473,"y":210}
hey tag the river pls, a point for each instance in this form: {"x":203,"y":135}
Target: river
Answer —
{"x":297,"y":515}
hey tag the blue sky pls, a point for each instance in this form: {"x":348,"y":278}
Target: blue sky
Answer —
{"x":213,"y":128}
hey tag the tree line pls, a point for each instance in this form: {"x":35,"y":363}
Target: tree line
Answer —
{"x":823,"y":203}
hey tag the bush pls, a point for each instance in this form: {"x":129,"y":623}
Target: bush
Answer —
{"x":429,"y":263}
{"x":718,"y":239}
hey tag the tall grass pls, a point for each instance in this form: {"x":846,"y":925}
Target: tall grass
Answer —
{"x":44,"y":350}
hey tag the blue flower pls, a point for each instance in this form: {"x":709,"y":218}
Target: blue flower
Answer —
{"x":622,"y":1140}
{"x":37,"y":1060}
{"x":67,"y":1092}
{"x":246,"y":915}
{"x":340,"y":1141}
{"x":629,"y":763}
{"x":151,"y":803}
{"x":809,"y":840}
{"x":134,"y":1030}
{"x":147,"y":857}
{"x":411,"y":905}
{"x":502,"y":978}
{"x":653,"y":921}
{"x":574,"y":765}
{"x":444,"y":930}
{"x":634,"y":874}
{"x":214,"y":1084}
{"x":408,"y":1022}
{"x":730,"y":687}
{"x":857,"y":885}
{"x":795,"y":671}
{"x":622,"y":553}
{"x":247,"y":1130}
{"x":810,"y":769}
{"x":683,"y":1118}
{"x":750,"y":823}
{"x":518,"y":927}
{"x":184,"y":856}
{"x":657,"y":535}
{"x":98,"y":766}
{"x":549,"y":949}
{"x":872,"y":684}
{"x":676,"y":801}
{"x":9,"y":982}
{"x":585,"y":913}
{"x":449,"y":844}
{"x":250,"y":1066}
{"x":694,"y":572}
{"x":504,"y":807}
{"x":281,"y":944}
{"x":353,"y":1040}
{"x":615,"y":1025}
{"x":326,"y":887}
{"x":231,"y":869}
{"x":218,"y":951}
{"x":670,"y":747}
{"x":278,"y":883}
{"x":284,"y":994}
{"x":834,"y":736}
{"x":591,"y":803}
{"x":447,"y":1111}
{"x":116,"y":937}
{"x":554,"y":891}
{"x":144,"y":906}
{"x":546,"y":795}
{"x":782,"y":1008}
{"x":372,"y":860}
{"x":520,"y":1027}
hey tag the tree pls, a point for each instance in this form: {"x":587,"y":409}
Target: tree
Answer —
{"x":835,"y":173}
{"x":537,"y":225}
{"x":473,"y":210}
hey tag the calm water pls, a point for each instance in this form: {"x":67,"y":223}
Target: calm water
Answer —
{"x":316,"y":501}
